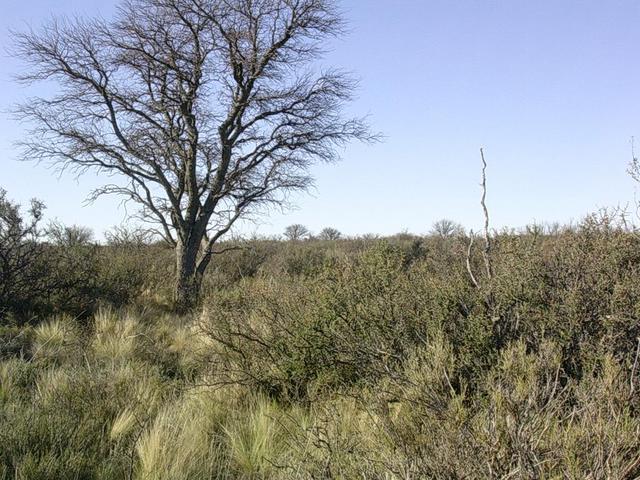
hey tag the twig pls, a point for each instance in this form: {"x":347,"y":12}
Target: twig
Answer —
{"x":631,"y":470}
{"x":635,"y":366}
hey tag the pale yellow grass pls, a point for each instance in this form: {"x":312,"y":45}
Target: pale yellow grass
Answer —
{"x":55,"y":340}
{"x":181,"y":443}
{"x":115,"y":335}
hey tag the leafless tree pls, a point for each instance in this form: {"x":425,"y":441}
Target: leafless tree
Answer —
{"x":127,"y":236}
{"x":487,"y":236}
{"x":202,"y":111}
{"x":634,"y":171}
{"x":296,"y":232}
{"x":69,"y":236}
{"x":446,"y":228}
{"x":330,"y":233}
{"x":634,"y":165}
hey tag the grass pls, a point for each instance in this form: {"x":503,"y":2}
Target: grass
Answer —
{"x":55,"y":340}
{"x":115,"y":338}
{"x":254,"y":439}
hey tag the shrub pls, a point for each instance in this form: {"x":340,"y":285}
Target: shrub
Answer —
{"x":347,"y":325}
{"x":20,"y":254}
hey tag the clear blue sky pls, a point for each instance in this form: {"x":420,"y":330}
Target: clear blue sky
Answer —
{"x":550,"y":88}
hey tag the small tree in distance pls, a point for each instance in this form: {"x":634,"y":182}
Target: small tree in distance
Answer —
{"x":446,"y":228}
{"x":69,"y":236}
{"x":124,"y":236}
{"x":296,"y":232}
{"x":329,"y":233}
{"x":199,"y":111}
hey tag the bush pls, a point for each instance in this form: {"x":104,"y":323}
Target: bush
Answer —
{"x":349,"y":324}
{"x":20,"y":257}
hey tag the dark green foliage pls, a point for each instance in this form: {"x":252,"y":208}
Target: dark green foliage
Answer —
{"x":20,"y":256}
{"x":124,"y":271}
{"x":348,"y":316}
{"x":346,"y":325}
{"x":59,"y":269}
{"x":15,"y":341}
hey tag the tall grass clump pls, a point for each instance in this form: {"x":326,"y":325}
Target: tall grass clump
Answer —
{"x":254,"y":439}
{"x":115,"y":336}
{"x":181,"y":442}
{"x":56,"y":340}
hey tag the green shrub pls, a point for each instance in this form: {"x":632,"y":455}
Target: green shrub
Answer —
{"x":349,"y":324}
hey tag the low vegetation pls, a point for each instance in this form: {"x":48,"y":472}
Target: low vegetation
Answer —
{"x":333,"y":358}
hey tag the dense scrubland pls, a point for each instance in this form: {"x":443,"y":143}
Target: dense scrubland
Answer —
{"x":349,"y":358}
{"x":513,"y":354}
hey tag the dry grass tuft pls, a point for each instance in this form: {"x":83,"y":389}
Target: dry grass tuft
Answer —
{"x":115,"y":337}
{"x":56,"y":340}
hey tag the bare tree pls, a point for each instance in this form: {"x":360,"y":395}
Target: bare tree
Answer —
{"x":202,"y":111}
{"x":634,"y":165}
{"x":127,"y":236}
{"x":296,"y":232}
{"x":330,"y":233}
{"x":69,"y":236}
{"x":446,"y":228}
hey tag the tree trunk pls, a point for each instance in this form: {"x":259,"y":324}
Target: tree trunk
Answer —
{"x":188,"y":277}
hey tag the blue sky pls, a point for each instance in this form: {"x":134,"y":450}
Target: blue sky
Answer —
{"x":550,"y":89}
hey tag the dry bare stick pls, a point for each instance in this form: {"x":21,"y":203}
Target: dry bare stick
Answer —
{"x":486,"y":254}
{"x":633,"y":167}
{"x":469,"y":269}
{"x":483,"y":202}
{"x":633,"y":171}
